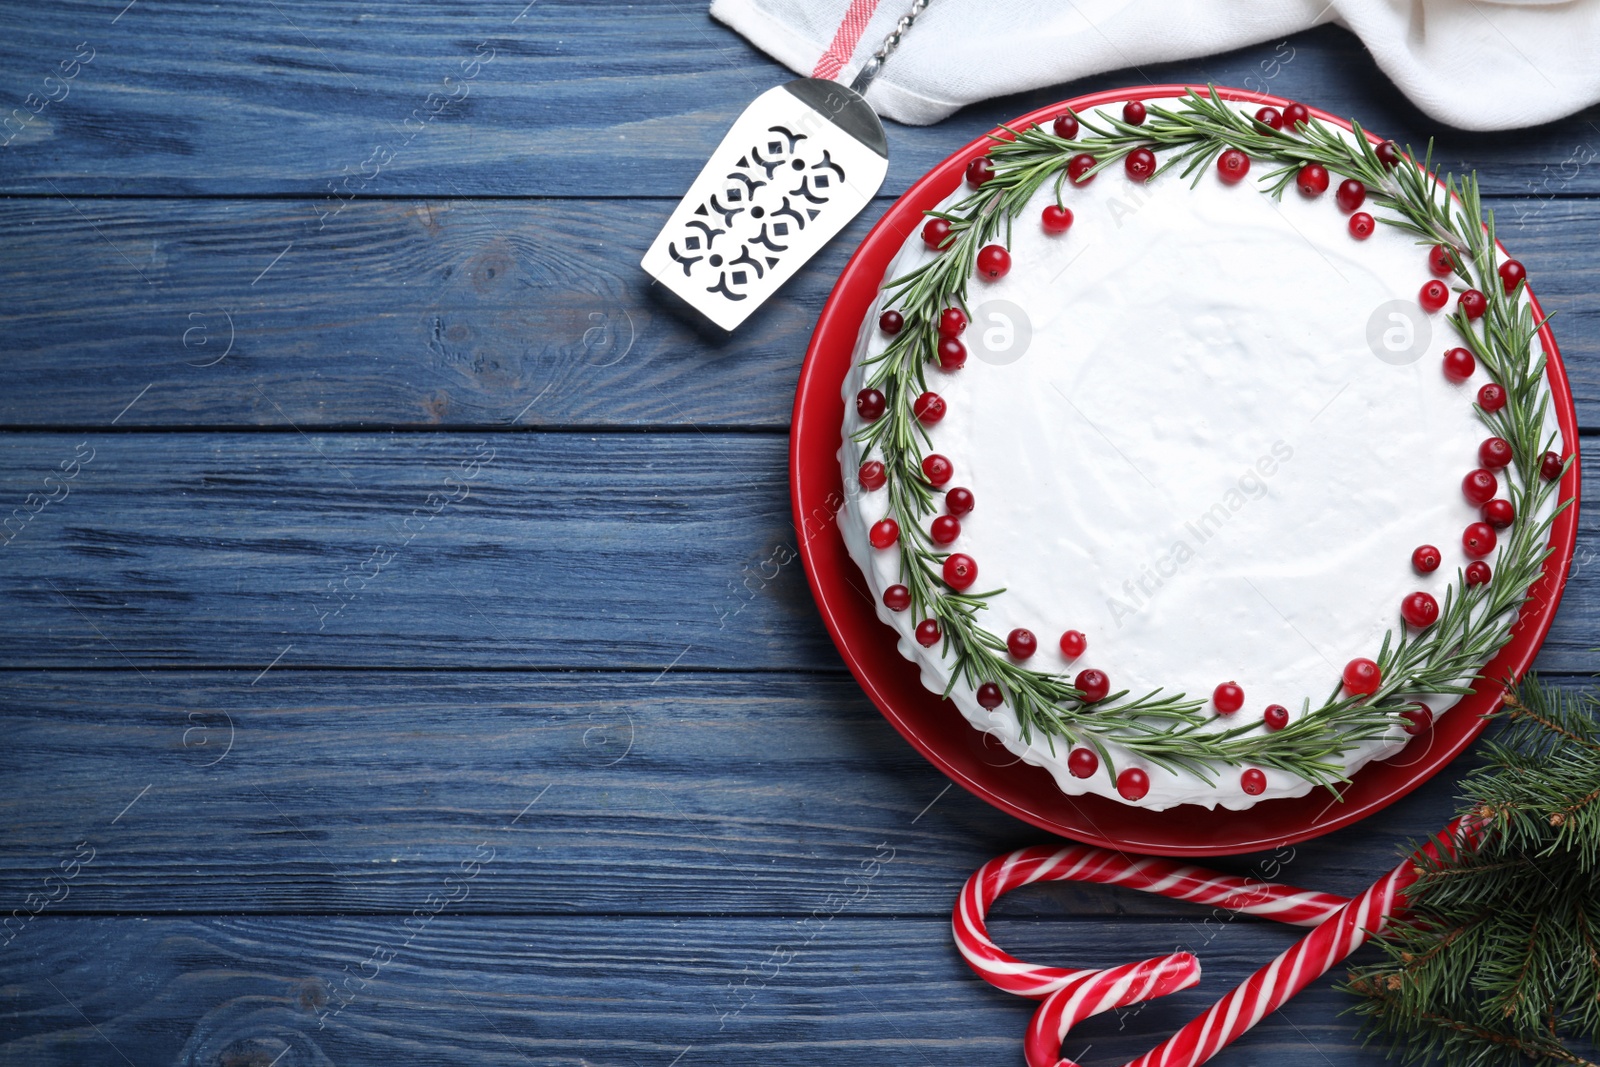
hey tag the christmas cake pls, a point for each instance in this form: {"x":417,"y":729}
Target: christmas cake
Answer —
{"x":1200,"y":453}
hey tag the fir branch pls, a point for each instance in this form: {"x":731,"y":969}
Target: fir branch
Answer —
{"x":1496,"y":960}
{"x":1432,"y":1030}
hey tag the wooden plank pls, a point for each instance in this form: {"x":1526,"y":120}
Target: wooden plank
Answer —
{"x":593,"y":990}
{"x":361,"y":99}
{"x":466,"y":313}
{"x":703,"y":794}
{"x":509,"y":551}
{"x":556,"y":550}
{"x":463,"y":313}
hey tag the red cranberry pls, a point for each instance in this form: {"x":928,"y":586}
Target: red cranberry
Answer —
{"x":1133,"y":784}
{"x":1253,"y":782}
{"x":872,"y":476}
{"x":1312,"y":179}
{"x":936,"y":234}
{"x":1362,"y":225}
{"x":1433,"y":295}
{"x":897,"y":598}
{"x":1458,"y":362}
{"x":951,"y":322}
{"x":891,"y":322}
{"x":1499,"y":513}
{"x":1140,"y":164}
{"x":1228,"y":698}
{"x":960,"y":571}
{"x":1269,"y":116}
{"x":993,"y":262}
{"x":1066,"y":126}
{"x":1232,"y":166}
{"x":870,"y":404}
{"x":1425,"y":559}
{"x":989,"y":696}
{"x":884,"y":533}
{"x":937,"y":469}
{"x":1057,"y":219}
{"x":928,"y":633}
{"x":1078,"y":168}
{"x":1420,"y":610}
{"x":1362,"y":677}
{"x":979,"y":171}
{"x":1418,"y":717}
{"x":1133,"y":113}
{"x":1478,"y":573}
{"x":944,"y":529}
{"x":1388,"y":153}
{"x":1295,"y":114}
{"x":1472,"y":304}
{"x":1441,"y":261}
{"x":929,"y":408}
{"x":1492,"y":397}
{"x":1073,"y":644}
{"x":1351,"y":195}
{"x":1479,"y":486}
{"x":1512,"y":274}
{"x":1021,"y":643}
{"x":1478,"y":539}
{"x":1083,"y":762}
{"x":1550,"y":466}
{"x":952,"y":354}
{"x":1495,"y":453}
{"x":1276,"y":716}
{"x":959,"y":501}
{"x":1093,"y":684}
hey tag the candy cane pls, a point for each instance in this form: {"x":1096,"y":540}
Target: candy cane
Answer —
{"x":1072,"y":995}
{"x":1081,"y":863}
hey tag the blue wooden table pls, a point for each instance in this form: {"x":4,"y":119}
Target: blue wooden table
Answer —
{"x":405,"y":656}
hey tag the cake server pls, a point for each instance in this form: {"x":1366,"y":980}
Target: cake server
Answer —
{"x":801,"y":161}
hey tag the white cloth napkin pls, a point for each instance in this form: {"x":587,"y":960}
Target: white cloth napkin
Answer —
{"x":1474,"y":64}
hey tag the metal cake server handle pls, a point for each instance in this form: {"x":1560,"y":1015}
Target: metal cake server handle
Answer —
{"x":801,"y":161}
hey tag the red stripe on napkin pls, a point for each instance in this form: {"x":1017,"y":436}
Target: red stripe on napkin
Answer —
{"x":845,"y":39}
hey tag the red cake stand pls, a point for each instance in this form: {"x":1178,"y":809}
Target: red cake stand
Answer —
{"x":978,"y":763}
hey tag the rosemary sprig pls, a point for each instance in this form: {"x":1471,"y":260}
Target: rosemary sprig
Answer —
{"x":1169,"y":730}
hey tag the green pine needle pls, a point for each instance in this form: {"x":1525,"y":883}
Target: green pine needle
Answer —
{"x":1497,"y":960}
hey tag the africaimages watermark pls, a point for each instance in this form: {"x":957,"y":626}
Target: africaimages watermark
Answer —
{"x":1250,"y":486}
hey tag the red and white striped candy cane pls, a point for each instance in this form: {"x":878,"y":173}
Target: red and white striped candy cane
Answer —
{"x":1082,"y":863}
{"x":1096,"y":991}
{"x":1072,"y":995}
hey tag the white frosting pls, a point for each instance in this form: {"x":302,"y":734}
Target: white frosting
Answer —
{"x":1198,"y":461}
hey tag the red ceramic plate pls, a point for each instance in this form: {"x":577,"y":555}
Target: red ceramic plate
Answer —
{"x":969,"y":757}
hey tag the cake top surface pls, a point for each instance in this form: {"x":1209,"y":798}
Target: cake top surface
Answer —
{"x":1205,"y":427}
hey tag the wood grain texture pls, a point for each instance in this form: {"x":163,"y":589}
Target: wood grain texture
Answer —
{"x":339,"y":99}
{"x":550,"y":667}
{"x":685,"y":795}
{"x":463,"y":314}
{"x":512,"y":551}
{"x":602,"y":991}
{"x":375,"y":550}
